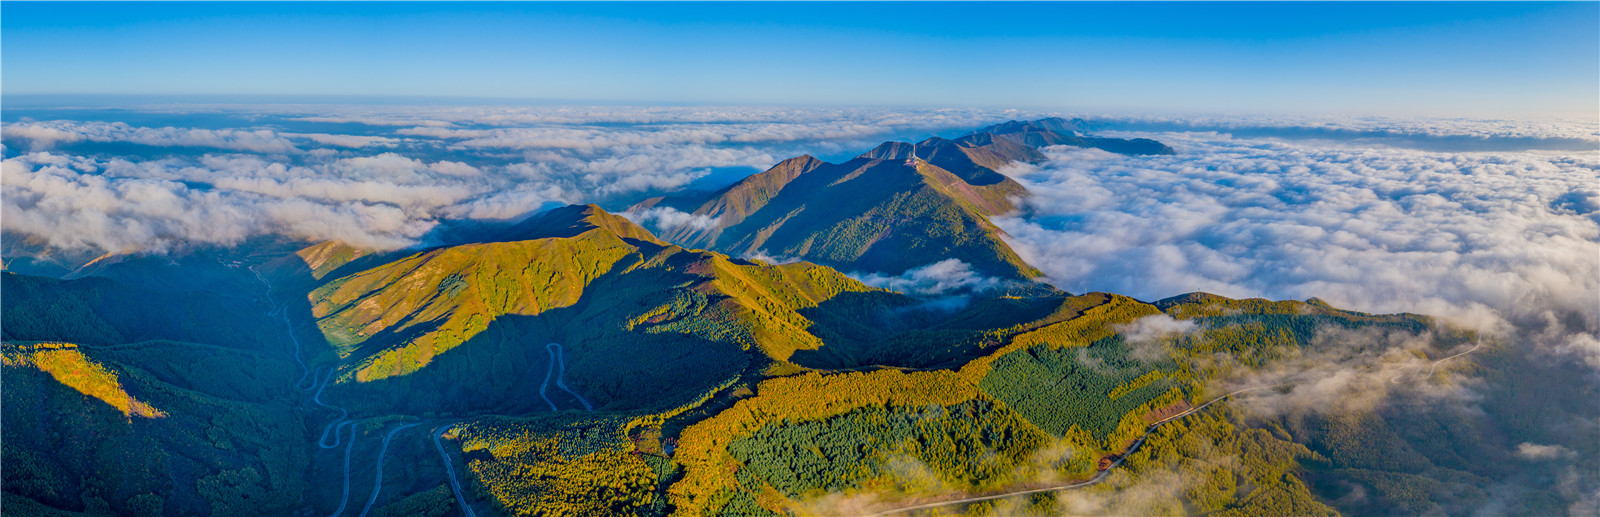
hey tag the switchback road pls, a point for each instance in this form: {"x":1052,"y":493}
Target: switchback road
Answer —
{"x":377,"y":479}
{"x":558,"y":367}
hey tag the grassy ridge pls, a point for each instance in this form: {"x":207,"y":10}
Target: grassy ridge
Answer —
{"x":1074,"y":379}
{"x":875,"y":213}
{"x":727,"y":386}
{"x":709,"y":479}
{"x":643,"y":325}
{"x":867,"y":214}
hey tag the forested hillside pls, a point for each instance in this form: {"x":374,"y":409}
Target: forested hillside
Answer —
{"x":574,"y":363}
{"x":893,"y":208}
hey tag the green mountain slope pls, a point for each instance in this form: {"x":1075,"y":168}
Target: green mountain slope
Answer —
{"x":1037,"y":410}
{"x":574,"y":363}
{"x":729,"y":387}
{"x":151,"y":428}
{"x":867,"y":214}
{"x":896,"y":207}
{"x":102,"y":311}
{"x":641,"y":322}
{"x":131,"y":400}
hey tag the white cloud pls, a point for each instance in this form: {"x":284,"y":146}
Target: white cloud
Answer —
{"x":75,"y":210}
{"x":387,"y":201}
{"x":840,"y":119}
{"x":41,"y":136}
{"x":1534,"y":451}
{"x":1147,"y":337}
{"x":1356,"y":370}
{"x":942,"y":278}
{"x":44,"y":135}
{"x":1439,"y":134}
{"x":668,"y":218}
{"x":501,"y":205}
{"x":350,"y":141}
{"x":450,"y":168}
{"x":1153,"y":328}
{"x":1483,"y":240}
{"x":762,"y":255}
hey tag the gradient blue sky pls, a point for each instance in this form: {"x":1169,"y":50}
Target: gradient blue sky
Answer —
{"x":1449,"y":59}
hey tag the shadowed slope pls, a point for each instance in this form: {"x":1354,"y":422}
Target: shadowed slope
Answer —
{"x":873,"y":214}
{"x":896,"y":207}
{"x":620,"y":302}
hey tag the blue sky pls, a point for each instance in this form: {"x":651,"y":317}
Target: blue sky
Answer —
{"x":1442,"y":59}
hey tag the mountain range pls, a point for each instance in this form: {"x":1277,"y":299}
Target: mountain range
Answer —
{"x":577,"y":363}
{"x":890,"y":209}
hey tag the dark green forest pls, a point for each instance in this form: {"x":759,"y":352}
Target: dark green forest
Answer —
{"x":574,"y":364}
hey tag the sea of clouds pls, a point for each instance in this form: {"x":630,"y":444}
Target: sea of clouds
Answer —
{"x":1492,"y":225}
{"x":1483,"y":239}
{"x":1366,"y":213}
{"x":383,"y":177}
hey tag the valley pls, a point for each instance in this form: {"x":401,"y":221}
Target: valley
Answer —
{"x":583,"y":362}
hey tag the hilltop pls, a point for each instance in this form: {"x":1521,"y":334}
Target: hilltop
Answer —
{"x":576,"y":363}
{"x":642,"y":322}
{"x":896,"y":207}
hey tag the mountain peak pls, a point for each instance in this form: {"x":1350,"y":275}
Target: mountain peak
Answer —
{"x":795,"y":166}
{"x":574,"y":220}
{"x":873,"y":213}
{"x":890,"y":151}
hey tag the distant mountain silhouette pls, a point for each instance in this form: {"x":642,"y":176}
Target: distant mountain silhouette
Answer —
{"x":893,"y":208}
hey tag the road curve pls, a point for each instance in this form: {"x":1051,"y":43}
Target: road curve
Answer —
{"x":560,"y":372}
{"x":337,"y":425}
{"x":1098,"y":477}
{"x":282,"y":310}
{"x":377,"y":479}
{"x":345,"y":499}
{"x":1435,"y":365}
{"x":450,"y":470}
{"x":340,"y":421}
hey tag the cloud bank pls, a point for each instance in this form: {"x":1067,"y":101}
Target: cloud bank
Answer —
{"x":1487,"y":239}
{"x":44,"y":135}
{"x":383,"y":177}
{"x":942,"y":278}
{"x":1429,"y":134}
{"x":118,"y":206}
{"x":1484,"y":240}
{"x":668,"y":218}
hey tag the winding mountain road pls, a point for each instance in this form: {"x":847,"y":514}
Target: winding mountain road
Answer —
{"x":336,"y":427}
{"x":1435,"y":365}
{"x":338,"y":422}
{"x":331,"y":436}
{"x":377,"y":479}
{"x":558,"y":370}
{"x":450,"y":470}
{"x":345,"y":499}
{"x":556,"y":359}
{"x":282,"y":311}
